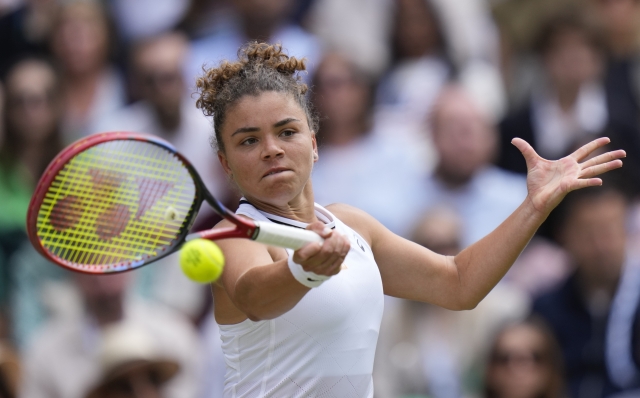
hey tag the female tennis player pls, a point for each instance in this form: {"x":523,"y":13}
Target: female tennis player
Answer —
{"x":305,"y":323}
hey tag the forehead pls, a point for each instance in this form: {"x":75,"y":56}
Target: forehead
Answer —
{"x":30,"y":76}
{"x":262,"y":110}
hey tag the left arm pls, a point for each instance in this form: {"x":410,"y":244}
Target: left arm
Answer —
{"x":413,"y":272}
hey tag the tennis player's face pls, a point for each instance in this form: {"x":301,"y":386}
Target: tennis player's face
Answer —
{"x":269,"y":148}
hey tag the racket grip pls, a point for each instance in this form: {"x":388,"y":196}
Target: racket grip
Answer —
{"x":283,"y":236}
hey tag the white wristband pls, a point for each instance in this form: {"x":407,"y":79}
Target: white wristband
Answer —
{"x":309,"y":279}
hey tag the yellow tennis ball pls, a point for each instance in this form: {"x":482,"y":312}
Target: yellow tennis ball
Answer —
{"x":201,"y":260}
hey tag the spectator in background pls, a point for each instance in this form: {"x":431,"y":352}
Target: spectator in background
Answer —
{"x":622,"y":79}
{"x":359,"y":167}
{"x":524,"y":362}
{"x":32,"y":126}
{"x":421,"y":65}
{"x":464,"y":177}
{"x":72,"y":342}
{"x":81,"y":43}
{"x":359,"y":28}
{"x":166,"y":110}
{"x":9,"y":371}
{"x":570,"y":104}
{"x":592,"y":313}
{"x":254,"y":20}
{"x":427,"y":351}
{"x":131,"y":365}
{"x":31,"y":138}
{"x":25,"y":31}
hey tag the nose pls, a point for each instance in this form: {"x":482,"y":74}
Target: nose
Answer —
{"x":271,"y":148}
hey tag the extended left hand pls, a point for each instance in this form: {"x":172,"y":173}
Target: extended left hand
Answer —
{"x":549,"y":181}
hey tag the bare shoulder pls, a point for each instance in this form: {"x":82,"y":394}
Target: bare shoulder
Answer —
{"x":357,"y":219}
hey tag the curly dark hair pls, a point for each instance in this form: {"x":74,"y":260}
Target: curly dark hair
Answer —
{"x":260,"y":67}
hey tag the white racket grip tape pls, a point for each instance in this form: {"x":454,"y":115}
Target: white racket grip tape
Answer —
{"x":284,"y":236}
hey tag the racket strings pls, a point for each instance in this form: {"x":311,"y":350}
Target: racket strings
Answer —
{"x":115,"y":204}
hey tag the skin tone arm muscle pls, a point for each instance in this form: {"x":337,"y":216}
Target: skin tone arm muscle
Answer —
{"x":257,"y":283}
{"x":413,"y":272}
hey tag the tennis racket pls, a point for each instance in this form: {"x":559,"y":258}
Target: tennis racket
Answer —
{"x":112,"y":202}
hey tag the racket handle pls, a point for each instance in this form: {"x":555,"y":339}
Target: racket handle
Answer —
{"x":283,"y":236}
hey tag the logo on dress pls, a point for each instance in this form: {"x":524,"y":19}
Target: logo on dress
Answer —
{"x":358,"y":242}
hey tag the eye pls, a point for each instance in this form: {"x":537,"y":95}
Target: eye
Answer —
{"x":287,"y":133}
{"x":249,"y":141}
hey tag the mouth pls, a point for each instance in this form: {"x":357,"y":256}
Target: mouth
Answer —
{"x":274,"y":171}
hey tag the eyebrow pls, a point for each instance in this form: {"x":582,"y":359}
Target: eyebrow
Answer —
{"x":254,"y":129}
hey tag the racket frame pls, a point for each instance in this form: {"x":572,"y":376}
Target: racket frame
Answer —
{"x":244,"y":228}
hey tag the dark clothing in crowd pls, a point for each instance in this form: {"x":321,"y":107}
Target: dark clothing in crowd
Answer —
{"x":582,"y":335}
{"x":14,"y":43}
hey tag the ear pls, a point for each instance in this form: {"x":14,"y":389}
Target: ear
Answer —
{"x":225,"y":164}
{"x":315,"y":148}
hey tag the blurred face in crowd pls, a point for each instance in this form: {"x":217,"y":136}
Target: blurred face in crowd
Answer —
{"x":103,"y":295}
{"x":416,"y":30}
{"x":158,"y":67}
{"x":263,"y":15}
{"x":32,"y":111}
{"x":520,"y":364}
{"x":439,"y":230}
{"x":341,"y":94}
{"x":571,"y":60}
{"x":594,"y":234}
{"x":463,"y":138}
{"x":80,"y":38}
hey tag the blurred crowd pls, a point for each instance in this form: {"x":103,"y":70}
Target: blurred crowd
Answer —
{"x":419,"y":101}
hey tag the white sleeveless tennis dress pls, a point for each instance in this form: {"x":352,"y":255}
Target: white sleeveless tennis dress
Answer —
{"x":325,"y":345}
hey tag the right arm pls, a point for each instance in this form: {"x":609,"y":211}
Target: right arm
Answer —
{"x":257,"y":279}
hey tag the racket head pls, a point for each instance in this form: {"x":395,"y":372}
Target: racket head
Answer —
{"x":113,"y":202}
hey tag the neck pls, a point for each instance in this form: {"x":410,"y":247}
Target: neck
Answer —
{"x":451,"y":180}
{"x":339,"y":134}
{"x":301,"y":208}
{"x":31,"y":157}
{"x":258,"y":31}
{"x":169,"y":120}
{"x":106,"y":310}
{"x":597,"y":291}
{"x":567,"y":97}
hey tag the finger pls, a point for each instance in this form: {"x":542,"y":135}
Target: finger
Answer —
{"x":605,"y":157}
{"x":586,"y":149}
{"x":584,"y":183}
{"x":306,"y":252}
{"x":601,"y":168}
{"x":339,"y":244}
{"x":530,"y":155}
{"x":320,"y":228}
